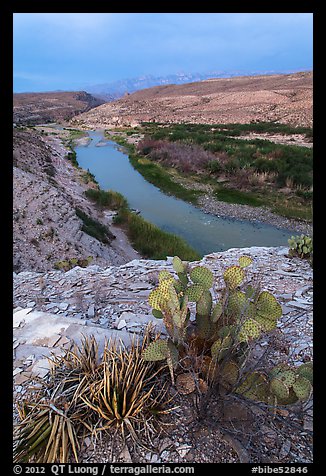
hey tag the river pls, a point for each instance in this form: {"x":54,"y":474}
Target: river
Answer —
{"x":206,"y":233}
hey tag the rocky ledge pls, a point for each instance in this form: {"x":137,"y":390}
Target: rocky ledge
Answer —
{"x":54,"y":309}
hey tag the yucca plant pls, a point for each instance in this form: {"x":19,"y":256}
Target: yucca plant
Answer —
{"x":125,"y":395}
{"x":46,"y":433}
{"x":85,"y":393}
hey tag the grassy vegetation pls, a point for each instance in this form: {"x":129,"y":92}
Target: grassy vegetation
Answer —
{"x":255,"y":172}
{"x":237,"y":196}
{"x":146,"y":238}
{"x":157,"y":175}
{"x":72,"y":156}
{"x":151,"y":241}
{"x":75,"y":134}
{"x":225,"y":129}
{"x":286,"y":161}
{"x":94,"y":228}
{"x":107,"y":198}
{"x":88,"y":177}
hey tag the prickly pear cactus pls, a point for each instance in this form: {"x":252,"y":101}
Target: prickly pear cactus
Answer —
{"x":301,"y":246}
{"x":233,"y":276}
{"x":194,"y":292}
{"x":178,"y":265}
{"x":291,"y":384}
{"x":203,"y":276}
{"x":245,"y":261}
{"x":254,"y":386}
{"x":157,"y":350}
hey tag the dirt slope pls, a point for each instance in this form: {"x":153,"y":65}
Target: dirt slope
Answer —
{"x":36,"y":108}
{"x":47,"y":189}
{"x":283,"y":98}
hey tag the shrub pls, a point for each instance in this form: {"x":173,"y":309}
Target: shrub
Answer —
{"x":70,"y":263}
{"x":94,"y":228}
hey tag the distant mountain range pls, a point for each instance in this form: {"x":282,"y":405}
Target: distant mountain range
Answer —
{"x":117,"y":89}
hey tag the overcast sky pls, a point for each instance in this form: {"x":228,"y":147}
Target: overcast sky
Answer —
{"x":72,"y":50}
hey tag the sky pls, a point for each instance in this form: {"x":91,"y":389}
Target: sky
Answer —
{"x":70,"y":51}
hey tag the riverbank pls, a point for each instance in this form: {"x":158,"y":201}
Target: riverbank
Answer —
{"x":201,"y":193}
{"x":209,"y":204}
{"x":48,"y":192}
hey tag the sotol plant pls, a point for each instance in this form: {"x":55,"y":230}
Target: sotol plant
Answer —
{"x":215,"y":342}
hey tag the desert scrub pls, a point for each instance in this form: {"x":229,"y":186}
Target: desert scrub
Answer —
{"x":156,"y":174}
{"x":237,"y":196}
{"x":89,"y":394}
{"x":72,"y":157}
{"x":224,"y":153}
{"x":94,"y":228}
{"x":151,"y":241}
{"x":88,"y":177}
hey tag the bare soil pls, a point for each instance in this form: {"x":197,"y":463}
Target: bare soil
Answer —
{"x":286,"y":99}
{"x":36,"y":108}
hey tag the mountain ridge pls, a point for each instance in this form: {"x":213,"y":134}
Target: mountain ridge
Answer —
{"x":283,"y":98}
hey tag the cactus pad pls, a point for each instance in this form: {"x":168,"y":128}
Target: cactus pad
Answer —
{"x":156,"y":313}
{"x":254,"y":386}
{"x":306,"y":371}
{"x":165,"y":276}
{"x":216,"y":312}
{"x":155,"y":299}
{"x":204,"y":304}
{"x":178,"y":286}
{"x":157,"y":350}
{"x":230,"y":373}
{"x":183,"y":278}
{"x":236,"y":304}
{"x":203,"y":276}
{"x":245,"y":261}
{"x":220,"y":347}
{"x":178,"y":266}
{"x":233,"y":276}
{"x":279,"y":389}
{"x":250,"y":329}
{"x":267,"y":306}
{"x":204,"y":326}
{"x":185,"y":383}
{"x":287,"y":377}
{"x":194,"y":292}
{"x":302,"y":388}
{"x":250,"y":291}
{"x":226,"y":331}
{"x":279,"y":369}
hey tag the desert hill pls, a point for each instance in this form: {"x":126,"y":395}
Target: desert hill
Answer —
{"x":281,"y":98}
{"x":36,"y":108}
